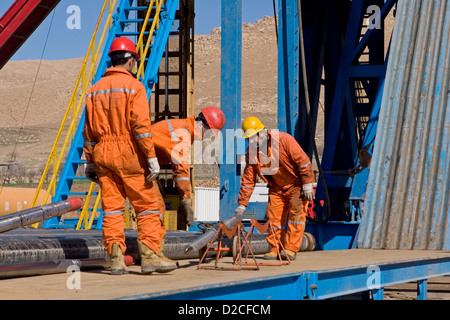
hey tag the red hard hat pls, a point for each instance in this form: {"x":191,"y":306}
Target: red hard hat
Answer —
{"x":123,"y":44}
{"x":214,"y":117}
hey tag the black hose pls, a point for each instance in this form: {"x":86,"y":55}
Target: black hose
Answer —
{"x":308,"y":112}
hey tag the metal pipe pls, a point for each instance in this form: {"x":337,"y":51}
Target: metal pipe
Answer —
{"x":23,"y":246}
{"x":208,"y":235}
{"x":50,"y":267}
{"x":37,"y":214}
{"x":233,"y":220}
{"x":200,"y":242}
{"x":13,"y":199}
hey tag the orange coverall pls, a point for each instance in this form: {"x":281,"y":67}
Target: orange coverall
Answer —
{"x":285,"y":180}
{"x":118,"y":140}
{"x":173,"y":139}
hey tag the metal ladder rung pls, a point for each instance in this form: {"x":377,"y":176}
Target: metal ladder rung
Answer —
{"x":141,"y":8}
{"x":90,"y":210}
{"x":75,"y":178}
{"x":79,"y":161}
{"x":132,"y":33}
{"x":171,"y":73}
{"x":169,"y":91}
{"x":79,"y":194}
{"x":136,"y":8}
{"x":135,"y":20}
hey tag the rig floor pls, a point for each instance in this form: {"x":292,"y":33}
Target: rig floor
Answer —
{"x":330,"y":273}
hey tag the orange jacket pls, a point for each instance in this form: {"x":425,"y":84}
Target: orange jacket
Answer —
{"x":284,"y":166}
{"x":117,"y":108}
{"x":173,"y":139}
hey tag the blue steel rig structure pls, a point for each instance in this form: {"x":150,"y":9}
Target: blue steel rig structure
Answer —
{"x":344,"y":57}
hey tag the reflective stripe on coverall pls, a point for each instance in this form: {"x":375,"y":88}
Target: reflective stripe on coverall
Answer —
{"x":118,"y":140}
{"x":172,"y":140}
{"x":284,"y":178}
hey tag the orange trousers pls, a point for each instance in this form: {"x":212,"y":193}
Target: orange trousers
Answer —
{"x":147,"y":202}
{"x":288,"y":213}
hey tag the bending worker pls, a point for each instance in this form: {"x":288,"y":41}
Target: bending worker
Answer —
{"x":278,"y":159}
{"x":121,"y":157}
{"x":173,"y":139}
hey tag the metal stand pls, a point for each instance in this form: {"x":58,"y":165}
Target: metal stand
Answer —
{"x":237,"y":231}
{"x":262,"y":229}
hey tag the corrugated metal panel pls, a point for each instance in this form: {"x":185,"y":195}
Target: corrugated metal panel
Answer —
{"x":407,"y":200}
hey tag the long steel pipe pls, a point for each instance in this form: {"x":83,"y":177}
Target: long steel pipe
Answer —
{"x":29,"y":245}
{"x":50,"y":267}
{"x":37,"y":214}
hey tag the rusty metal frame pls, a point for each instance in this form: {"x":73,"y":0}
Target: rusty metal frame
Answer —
{"x":238,"y":231}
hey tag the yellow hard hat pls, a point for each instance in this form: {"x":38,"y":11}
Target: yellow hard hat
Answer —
{"x":251,"y":126}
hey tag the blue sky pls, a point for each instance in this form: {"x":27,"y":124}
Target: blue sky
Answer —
{"x":64,"y":43}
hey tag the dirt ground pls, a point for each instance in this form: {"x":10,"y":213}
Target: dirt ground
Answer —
{"x":438,"y":289}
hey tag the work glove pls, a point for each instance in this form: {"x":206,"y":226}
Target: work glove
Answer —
{"x":90,"y":173}
{"x":186,"y":207}
{"x":154,"y":168}
{"x":240,"y":210}
{"x":308,"y":191}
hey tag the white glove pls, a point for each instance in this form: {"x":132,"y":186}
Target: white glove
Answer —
{"x":153,"y":165}
{"x":240,"y":210}
{"x":308,"y":191}
{"x":90,"y":173}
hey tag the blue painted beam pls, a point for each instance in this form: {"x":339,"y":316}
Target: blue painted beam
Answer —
{"x":315,"y":285}
{"x":288,"y":67}
{"x":284,"y":287}
{"x":334,"y":283}
{"x":230,"y":103}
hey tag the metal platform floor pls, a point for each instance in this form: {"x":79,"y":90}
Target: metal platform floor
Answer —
{"x":313,"y":275}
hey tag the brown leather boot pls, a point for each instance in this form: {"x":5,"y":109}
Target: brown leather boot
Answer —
{"x":271,"y":256}
{"x":151,"y":262}
{"x":289,"y":253}
{"x":118,"y":265}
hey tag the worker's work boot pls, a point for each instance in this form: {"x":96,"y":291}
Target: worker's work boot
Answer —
{"x":289,"y":253}
{"x":271,"y":256}
{"x":163,"y":257}
{"x":118,"y":265}
{"x":151,"y":262}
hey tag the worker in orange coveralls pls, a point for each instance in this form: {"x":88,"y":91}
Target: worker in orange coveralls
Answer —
{"x":121,"y":157}
{"x":173,"y":139}
{"x":279,"y":160}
